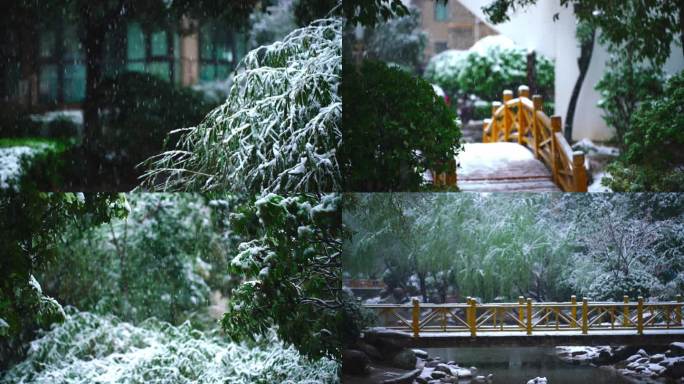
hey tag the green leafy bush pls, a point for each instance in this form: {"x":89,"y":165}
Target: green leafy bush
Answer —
{"x":157,"y":262}
{"x":395,"y":128}
{"x":487,"y":73}
{"x":623,"y":86}
{"x":289,"y":261}
{"x":653,"y":159}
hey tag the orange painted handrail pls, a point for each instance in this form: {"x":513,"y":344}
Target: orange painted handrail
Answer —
{"x":528,"y":317}
{"x":523,"y":121}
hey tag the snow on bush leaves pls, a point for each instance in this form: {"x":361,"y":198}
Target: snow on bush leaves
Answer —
{"x":103,"y":349}
{"x":277,"y":131}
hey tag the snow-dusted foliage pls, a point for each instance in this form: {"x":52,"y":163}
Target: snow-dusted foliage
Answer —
{"x":277,"y":131}
{"x":443,"y":68}
{"x":89,"y":348}
{"x":11,"y":159}
{"x":491,"y":65}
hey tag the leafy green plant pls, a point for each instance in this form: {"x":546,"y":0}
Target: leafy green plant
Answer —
{"x":652,"y":160}
{"x":289,"y":261}
{"x":623,"y":86}
{"x":157,"y":262}
{"x":395,"y":128}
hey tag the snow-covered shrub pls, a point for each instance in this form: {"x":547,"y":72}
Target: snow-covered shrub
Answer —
{"x":489,"y":67}
{"x":279,"y":129}
{"x":89,"y":348}
{"x":611,"y":286}
{"x":443,"y":69}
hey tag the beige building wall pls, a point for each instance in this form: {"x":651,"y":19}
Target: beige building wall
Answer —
{"x":460,"y":30}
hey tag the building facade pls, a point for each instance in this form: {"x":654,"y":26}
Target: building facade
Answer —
{"x":56,"y":76}
{"x":449,"y":25}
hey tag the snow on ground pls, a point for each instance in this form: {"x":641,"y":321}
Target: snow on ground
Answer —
{"x":10,"y":163}
{"x":75,"y":115}
{"x":89,"y":348}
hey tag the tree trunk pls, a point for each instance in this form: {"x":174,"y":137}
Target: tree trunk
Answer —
{"x":94,"y":51}
{"x":423,"y":288}
{"x":583,"y":64}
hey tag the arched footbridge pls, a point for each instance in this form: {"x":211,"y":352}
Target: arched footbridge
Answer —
{"x":528,"y":323}
{"x":522,"y":149}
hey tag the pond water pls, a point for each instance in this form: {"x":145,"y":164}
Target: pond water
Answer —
{"x":518,"y":365}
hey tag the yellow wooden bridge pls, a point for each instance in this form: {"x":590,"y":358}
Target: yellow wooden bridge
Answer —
{"x":531,"y":323}
{"x":522,"y":149}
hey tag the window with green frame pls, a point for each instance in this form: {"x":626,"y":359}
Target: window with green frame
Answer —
{"x":156,"y":52}
{"x":441,"y":10}
{"x":62,"y":73}
{"x":220,"y":50}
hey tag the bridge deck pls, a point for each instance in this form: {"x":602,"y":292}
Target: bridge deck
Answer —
{"x":502,"y":167}
{"x":538,"y":338}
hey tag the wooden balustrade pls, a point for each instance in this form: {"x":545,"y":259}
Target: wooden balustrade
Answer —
{"x":528,"y":317}
{"x":523,"y":121}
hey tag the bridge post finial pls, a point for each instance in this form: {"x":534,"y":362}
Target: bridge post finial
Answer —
{"x":524,"y":91}
{"x":415,"y":323}
{"x":556,"y":124}
{"x":573,"y":311}
{"x":579,"y":173}
{"x":640,"y":315}
{"x":538,"y":103}
{"x":585,"y":316}
{"x":508,"y":119}
{"x":472,"y":317}
{"x":529,"y":316}
{"x":625,"y":311}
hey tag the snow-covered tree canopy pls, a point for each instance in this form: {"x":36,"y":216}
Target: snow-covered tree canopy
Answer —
{"x":279,"y":129}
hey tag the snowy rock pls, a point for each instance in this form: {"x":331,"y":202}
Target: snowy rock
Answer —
{"x":538,"y":380}
{"x":677,"y":349}
{"x":657,"y":358}
{"x":420,"y":353}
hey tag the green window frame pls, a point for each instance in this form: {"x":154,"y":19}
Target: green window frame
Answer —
{"x":62,"y":72}
{"x":220,"y":50}
{"x":441,"y":10}
{"x":155,"y":52}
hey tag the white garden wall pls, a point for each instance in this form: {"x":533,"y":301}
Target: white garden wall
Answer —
{"x":535,"y":29}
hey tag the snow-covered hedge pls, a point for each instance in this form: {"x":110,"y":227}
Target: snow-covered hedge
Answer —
{"x":89,"y":348}
{"x":277,"y":131}
{"x":491,"y":65}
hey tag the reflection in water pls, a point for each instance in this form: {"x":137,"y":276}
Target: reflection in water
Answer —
{"x":518,"y":365}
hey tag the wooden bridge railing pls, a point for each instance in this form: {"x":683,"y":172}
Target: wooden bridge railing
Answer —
{"x":528,"y":316}
{"x":523,"y":121}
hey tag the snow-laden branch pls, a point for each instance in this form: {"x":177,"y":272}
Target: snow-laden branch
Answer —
{"x":279,"y":129}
